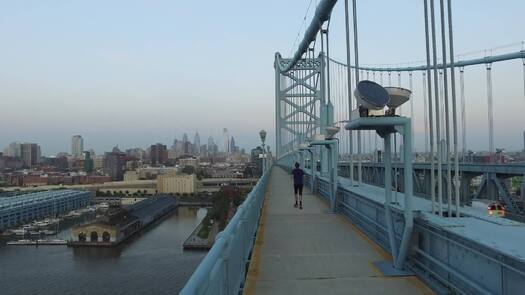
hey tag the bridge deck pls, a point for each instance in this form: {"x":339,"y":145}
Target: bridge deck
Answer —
{"x":312,"y":251}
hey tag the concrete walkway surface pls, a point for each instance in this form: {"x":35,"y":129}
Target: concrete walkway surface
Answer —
{"x":313,"y":251}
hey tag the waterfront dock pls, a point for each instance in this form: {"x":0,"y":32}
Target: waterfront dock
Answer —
{"x":194,"y":242}
{"x":120,"y":224}
{"x":54,"y":242}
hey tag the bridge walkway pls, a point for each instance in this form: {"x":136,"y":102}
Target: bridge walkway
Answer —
{"x":313,"y":251}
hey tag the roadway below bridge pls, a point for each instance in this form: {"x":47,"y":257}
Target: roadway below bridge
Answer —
{"x":313,"y":251}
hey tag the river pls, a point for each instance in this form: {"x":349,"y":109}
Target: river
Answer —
{"x":152,"y":262}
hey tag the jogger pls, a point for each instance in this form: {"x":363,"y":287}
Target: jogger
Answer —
{"x":298,"y":174}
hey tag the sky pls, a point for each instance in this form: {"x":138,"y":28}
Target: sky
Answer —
{"x":133,"y":73}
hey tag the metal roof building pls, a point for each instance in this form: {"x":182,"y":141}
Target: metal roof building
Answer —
{"x":28,"y":207}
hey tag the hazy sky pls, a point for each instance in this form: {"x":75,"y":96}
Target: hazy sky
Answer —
{"x":134,"y":73}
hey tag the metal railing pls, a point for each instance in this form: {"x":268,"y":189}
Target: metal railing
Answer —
{"x":223,"y":269}
{"x":446,"y":261}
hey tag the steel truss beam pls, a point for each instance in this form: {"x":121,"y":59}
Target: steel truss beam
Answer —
{"x":299,"y":95}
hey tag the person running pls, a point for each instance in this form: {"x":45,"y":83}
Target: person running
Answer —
{"x":298,"y":174}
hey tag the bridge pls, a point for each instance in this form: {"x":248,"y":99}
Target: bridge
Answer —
{"x":376,"y":219}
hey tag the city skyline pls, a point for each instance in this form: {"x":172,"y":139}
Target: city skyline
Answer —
{"x":112,"y":76}
{"x":78,"y":142}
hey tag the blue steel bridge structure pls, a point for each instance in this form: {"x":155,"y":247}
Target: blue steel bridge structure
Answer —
{"x":421,"y":218}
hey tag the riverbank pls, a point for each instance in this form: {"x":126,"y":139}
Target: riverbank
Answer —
{"x":196,"y":242}
{"x":151,"y":262}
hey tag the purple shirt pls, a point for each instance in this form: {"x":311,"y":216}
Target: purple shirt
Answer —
{"x":298,"y":176}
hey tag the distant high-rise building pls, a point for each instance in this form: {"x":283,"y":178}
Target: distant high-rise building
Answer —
{"x":233,"y":147}
{"x":226,"y":139}
{"x":114,"y":165}
{"x":188,"y":148}
{"x":136,"y":153}
{"x":158,"y":154}
{"x":13,"y":150}
{"x":210,"y":141}
{"x":30,"y":154}
{"x":197,"y":143}
{"x":185,"y":137}
{"x":77,"y":146}
{"x":88,"y":162}
{"x":211,"y":146}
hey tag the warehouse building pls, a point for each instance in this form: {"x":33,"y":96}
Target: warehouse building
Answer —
{"x":25,"y":208}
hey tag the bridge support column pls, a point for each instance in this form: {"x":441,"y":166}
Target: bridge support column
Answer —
{"x":465,"y":195}
{"x":428,"y":183}
{"x":491,"y":189}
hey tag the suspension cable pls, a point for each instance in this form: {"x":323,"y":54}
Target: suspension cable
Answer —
{"x":438,"y":119}
{"x":430,"y":111}
{"x":349,"y":87}
{"x":445,"y":98}
{"x":490,"y":112}
{"x":356,"y":61}
{"x":425,"y":110}
{"x":523,"y":61}
{"x":399,"y":85}
{"x":463,"y":113}
{"x":410,"y":85}
{"x":454,"y":107}
{"x":328,"y":61}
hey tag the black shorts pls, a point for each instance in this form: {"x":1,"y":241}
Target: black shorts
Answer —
{"x":298,"y":188}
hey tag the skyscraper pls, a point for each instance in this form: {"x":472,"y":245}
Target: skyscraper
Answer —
{"x":197,"y":143}
{"x":114,"y":165}
{"x":212,"y":147}
{"x":233,"y":148}
{"x":13,"y":150}
{"x":77,"y":146}
{"x":158,"y":154}
{"x":226,"y":138}
{"x":185,"y":138}
{"x":30,"y":154}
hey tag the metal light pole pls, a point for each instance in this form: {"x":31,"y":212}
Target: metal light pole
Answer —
{"x":332,"y":145}
{"x":262,"y":134}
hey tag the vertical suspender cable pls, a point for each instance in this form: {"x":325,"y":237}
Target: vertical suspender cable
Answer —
{"x":399,"y":85}
{"x":490,"y":112}
{"x":454,"y":107}
{"x":438,"y":119}
{"x":410,"y":85}
{"x":425,"y":111}
{"x":523,"y":61}
{"x":356,"y":61}
{"x":349,"y":91}
{"x":328,"y":64}
{"x":328,"y":117}
{"x":375,"y":133}
{"x":463,"y":114}
{"x":445,"y":98}
{"x":430,"y":112}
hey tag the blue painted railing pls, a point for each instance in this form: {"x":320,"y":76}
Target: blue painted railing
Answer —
{"x":223,"y":270}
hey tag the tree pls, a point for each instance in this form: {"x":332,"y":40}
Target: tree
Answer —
{"x":188,"y":170}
